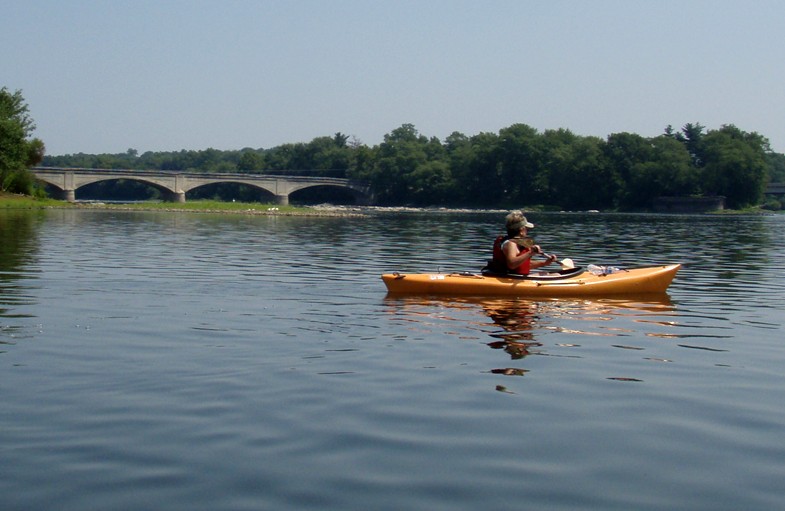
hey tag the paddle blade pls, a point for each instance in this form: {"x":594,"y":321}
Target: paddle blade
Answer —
{"x":526,"y":242}
{"x":567,"y":263}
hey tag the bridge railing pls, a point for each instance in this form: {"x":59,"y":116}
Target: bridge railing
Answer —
{"x":199,"y":175}
{"x":289,"y":174}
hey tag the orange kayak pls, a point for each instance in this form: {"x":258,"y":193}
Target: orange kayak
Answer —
{"x":653,"y":279}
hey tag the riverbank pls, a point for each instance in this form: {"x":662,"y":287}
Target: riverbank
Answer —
{"x":14,"y":201}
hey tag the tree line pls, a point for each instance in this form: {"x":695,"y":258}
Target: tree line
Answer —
{"x":518,"y":166}
{"x":18,"y":151}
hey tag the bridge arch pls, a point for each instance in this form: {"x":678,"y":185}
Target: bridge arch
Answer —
{"x":358,"y":193}
{"x":200,"y":186}
{"x":67,"y":183}
{"x":166,"y":193}
{"x":329,"y":194}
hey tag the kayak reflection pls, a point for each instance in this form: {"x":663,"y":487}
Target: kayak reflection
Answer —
{"x":520,"y":327}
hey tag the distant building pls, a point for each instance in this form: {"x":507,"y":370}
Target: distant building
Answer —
{"x":689,"y":204}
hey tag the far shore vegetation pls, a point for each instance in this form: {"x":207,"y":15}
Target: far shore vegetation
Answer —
{"x":516,"y":167}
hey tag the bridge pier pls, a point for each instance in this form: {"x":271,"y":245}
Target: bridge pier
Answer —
{"x":282,"y":200}
{"x":68,"y":195}
{"x":176,"y":197}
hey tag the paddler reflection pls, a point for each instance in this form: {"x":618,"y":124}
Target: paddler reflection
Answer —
{"x":518,"y":320}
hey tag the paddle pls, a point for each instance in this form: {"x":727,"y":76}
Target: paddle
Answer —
{"x":527,"y":242}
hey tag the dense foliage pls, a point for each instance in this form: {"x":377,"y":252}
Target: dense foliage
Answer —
{"x":516,"y":167}
{"x":17,"y":151}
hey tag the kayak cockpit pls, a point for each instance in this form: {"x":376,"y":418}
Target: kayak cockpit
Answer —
{"x":565,"y":273}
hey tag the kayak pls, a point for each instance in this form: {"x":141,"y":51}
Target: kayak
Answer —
{"x":573,"y":282}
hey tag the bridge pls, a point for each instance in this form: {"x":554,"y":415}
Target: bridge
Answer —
{"x":174,"y":185}
{"x":775,"y":189}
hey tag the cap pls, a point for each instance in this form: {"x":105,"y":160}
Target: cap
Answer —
{"x":515,"y":221}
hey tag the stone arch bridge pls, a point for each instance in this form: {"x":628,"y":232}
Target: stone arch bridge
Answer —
{"x":775,"y":189}
{"x":175,"y":185}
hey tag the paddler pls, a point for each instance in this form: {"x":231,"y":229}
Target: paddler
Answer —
{"x":514,"y":252}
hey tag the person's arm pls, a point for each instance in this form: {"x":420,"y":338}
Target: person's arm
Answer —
{"x":540,"y":263}
{"x":514,"y":256}
{"x":543,"y":262}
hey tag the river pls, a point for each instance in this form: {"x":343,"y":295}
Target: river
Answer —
{"x":187,"y":361}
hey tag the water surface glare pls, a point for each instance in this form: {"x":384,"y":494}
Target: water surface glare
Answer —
{"x":218,"y":362}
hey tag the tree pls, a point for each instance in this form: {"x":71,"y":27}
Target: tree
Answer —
{"x":250,"y":161}
{"x":329,"y":156}
{"x":402,"y":151}
{"x":430,"y":183}
{"x":578,"y":174}
{"x":776,"y":167}
{"x":692,"y":137}
{"x":475,"y":169}
{"x":17,"y":151}
{"x":459,"y":154}
{"x":520,"y":158}
{"x":340,"y":139}
{"x":361,"y":162}
{"x":623,"y":153}
{"x":675,"y":175}
{"x":735,"y":165}
{"x":666,"y":170}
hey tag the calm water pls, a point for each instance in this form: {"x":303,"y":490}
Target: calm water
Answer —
{"x":196,"y":362}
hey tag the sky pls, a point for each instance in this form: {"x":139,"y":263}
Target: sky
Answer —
{"x":105,"y":76}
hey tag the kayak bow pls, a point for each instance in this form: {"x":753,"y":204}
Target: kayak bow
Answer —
{"x":654,"y":279}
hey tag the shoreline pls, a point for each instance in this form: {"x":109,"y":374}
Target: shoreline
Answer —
{"x":16,"y":201}
{"x":9,"y":201}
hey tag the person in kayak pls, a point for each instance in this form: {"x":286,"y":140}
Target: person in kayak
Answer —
{"x":512,"y":257}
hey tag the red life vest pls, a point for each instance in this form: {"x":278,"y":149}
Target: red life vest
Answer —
{"x":501,"y":260}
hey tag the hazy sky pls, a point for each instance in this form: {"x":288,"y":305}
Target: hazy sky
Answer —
{"x":104,"y":76}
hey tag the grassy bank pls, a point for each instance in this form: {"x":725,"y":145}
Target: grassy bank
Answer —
{"x":13,"y":201}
